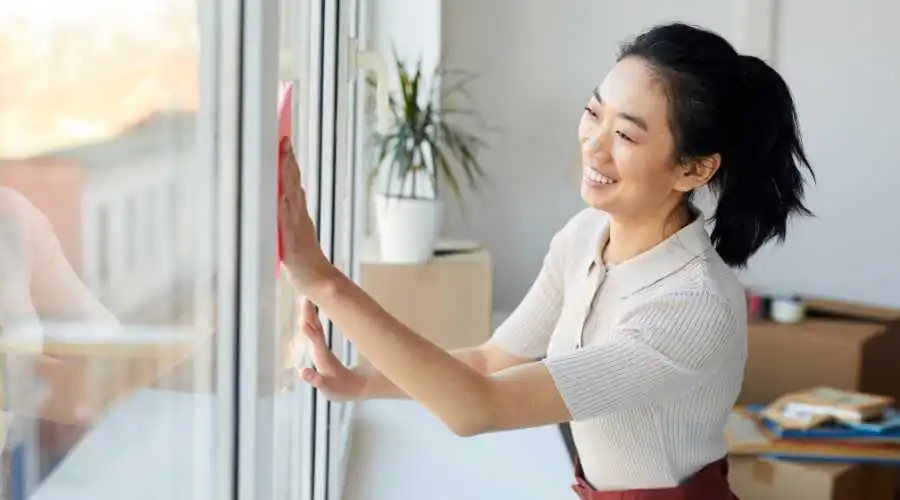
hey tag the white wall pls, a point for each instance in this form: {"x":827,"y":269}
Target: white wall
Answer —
{"x":412,"y":27}
{"x":844,"y":70}
{"x":540,"y":59}
{"x":412,"y":30}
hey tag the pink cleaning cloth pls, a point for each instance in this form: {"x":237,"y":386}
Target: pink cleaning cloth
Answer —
{"x":285,"y":131}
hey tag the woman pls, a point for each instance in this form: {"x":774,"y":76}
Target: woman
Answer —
{"x":639,"y":319}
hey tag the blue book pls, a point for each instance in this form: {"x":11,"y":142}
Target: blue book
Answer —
{"x":748,"y":434}
{"x":886,"y":431}
{"x":889,"y":424}
{"x":833,"y":460}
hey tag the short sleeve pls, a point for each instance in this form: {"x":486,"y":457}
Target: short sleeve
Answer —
{"x":661,"y":350}
{"x":526,"y":332}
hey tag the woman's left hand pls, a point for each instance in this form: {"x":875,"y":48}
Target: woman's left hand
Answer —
{"x":303,"y":256}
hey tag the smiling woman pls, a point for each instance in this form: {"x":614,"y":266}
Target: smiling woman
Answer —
{"x":636,"y":313}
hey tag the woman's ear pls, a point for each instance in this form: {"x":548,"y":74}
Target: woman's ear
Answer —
{"x":697,"y":172}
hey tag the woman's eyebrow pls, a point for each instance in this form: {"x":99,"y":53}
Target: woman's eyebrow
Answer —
{"x":637,"y":120}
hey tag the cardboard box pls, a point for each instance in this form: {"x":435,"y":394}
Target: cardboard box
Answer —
{"x":755,"y":479}
{"x":840,"y":345}
{"x":447,"y":300}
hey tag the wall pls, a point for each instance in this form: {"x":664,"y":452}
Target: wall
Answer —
{"x":539,"y":60}
{"x":844,"y":70}
{"x":411,"y":31}
{"x":412,"y":27}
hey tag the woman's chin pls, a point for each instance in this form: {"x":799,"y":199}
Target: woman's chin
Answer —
{"x":599,"y":197}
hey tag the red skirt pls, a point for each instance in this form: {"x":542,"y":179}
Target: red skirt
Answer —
{"x":709,"y":483}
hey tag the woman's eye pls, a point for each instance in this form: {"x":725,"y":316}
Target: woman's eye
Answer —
{"x":590,"y":111}
{"x":623,"y":136}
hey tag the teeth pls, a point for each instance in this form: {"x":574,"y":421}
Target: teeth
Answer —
{"x":597,"y":177}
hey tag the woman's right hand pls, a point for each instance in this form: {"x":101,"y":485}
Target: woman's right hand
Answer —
{"x":336,"y":381}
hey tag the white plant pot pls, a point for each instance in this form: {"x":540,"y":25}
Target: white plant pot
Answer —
{"x":407,"y":228}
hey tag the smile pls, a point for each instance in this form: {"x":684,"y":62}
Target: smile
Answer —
{"x":596,"y":178}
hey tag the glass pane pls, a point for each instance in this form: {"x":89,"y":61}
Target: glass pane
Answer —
{"x":290,"y":409}
{"x":107,"y":241}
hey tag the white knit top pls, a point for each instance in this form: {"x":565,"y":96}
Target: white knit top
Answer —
{"x":648,"y":355}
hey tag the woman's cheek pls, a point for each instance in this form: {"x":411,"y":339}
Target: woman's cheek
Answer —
{"x":583,"y":130}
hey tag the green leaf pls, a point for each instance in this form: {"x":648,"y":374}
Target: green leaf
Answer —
{"x":444,"y":165}
{"x":422,"y":140}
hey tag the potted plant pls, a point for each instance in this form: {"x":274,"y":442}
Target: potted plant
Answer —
{"x":421,"y":150}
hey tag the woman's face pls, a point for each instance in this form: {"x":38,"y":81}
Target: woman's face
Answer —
{"x":627,"y":146}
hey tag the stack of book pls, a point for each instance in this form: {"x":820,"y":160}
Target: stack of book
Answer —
{"x":820,"y":424}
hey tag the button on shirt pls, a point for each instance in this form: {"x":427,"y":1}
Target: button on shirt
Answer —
{"x":648,"y":355}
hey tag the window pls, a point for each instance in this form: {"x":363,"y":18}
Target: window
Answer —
{"x":101,"y":89}
{"x":161,"y":116}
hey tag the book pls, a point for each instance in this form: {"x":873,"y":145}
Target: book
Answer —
{"x":808,"y":409}
{"x":833,"y":433}
{"x":886,"y":431}
{"x":890,"y":422}
{"x":788,"y":416}
{"x":747,"y":434}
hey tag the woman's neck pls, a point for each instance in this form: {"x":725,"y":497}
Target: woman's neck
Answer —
{"x":629,"y":238}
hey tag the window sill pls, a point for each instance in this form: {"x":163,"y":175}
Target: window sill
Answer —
{"x":398,"y":450}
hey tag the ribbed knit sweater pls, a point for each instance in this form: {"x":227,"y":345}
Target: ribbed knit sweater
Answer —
{"x":648,"y":355}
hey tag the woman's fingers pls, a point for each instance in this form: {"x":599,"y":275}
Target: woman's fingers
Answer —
{"x":317,"y":380}
{"x":290,"y":171}
{"x":315,"y":334}
{"x":292,"y":202}
{"x":310,"y":324}
{"x":311,"y":377}
{"x":322,"y":357}
{"x":307,"y":310}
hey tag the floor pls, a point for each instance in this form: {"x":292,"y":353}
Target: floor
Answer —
{"x":399,"y":451}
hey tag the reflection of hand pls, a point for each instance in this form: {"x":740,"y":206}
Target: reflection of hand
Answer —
{"x":336,"y":381}
{"x":303,"y":256}
{"x":67,"y":400}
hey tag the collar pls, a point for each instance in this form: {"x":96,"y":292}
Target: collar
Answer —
{"x":657,"y":263}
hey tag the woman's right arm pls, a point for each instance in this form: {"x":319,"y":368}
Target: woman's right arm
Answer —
{"x":486,"y":359}
{"x":522,"y":338}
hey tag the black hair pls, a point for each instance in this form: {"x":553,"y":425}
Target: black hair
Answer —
{"x":739,"y":107}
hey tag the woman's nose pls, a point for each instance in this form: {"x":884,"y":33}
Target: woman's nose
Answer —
{"x":595,"y":143}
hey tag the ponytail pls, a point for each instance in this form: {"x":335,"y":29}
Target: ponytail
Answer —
{"x":740,"y":108}
{"x":760,"y":184}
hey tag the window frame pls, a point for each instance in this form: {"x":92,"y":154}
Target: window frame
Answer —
{"x":219,"y":135}
{"x":249,"y":196}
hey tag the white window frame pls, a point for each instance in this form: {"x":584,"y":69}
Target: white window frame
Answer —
{"x":257,"y":124}
{"x":218,"y":148}
{"x":244,"y":150}
{"x":327,"y":92}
